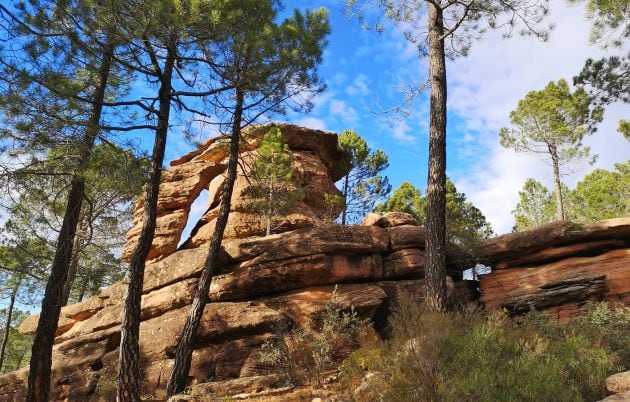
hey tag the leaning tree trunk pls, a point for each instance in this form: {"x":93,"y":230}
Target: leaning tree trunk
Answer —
{"x":556,"y":182}
{"x":183,"y":353}
{"x":41,"y":355}
{"x":436,"y":186}
{"x":7,"y":324}
{"x":74,"y":266}
{"x":128,"y":385}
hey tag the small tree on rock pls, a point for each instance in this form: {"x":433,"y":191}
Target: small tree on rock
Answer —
{"x":272,"y":186}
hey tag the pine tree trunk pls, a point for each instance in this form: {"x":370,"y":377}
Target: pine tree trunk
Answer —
{"x":556,"y":183}
{"x":436,"y":188}
{"x":345,"y":200}
{"x":183,"y":353}
{"x":128,"y":384}
{"x":7,"y":324}
{"x":72,"y":270}
{"x":41,"y":354}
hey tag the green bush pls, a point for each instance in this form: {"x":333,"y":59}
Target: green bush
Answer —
{"x":476,"y":356}
{"x":301,"y":356}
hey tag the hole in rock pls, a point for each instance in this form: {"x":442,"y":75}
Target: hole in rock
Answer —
{"x":472,"y":274}
{"x":97,"y":365}
{"x":197,"y":209}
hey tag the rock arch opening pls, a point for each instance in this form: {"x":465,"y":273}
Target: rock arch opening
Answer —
{"x":197,"y":209}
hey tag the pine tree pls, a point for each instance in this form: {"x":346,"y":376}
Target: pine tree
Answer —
{"x":273,"y":188}
{"x":441,"y":29}
{"x":268,"y":72}
{"x":552,"y":123}
{"x":363,"y":186}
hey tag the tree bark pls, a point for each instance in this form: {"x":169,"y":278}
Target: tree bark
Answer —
{"x":128,"y":384}
{"x":436,"y":186}
{"x":345,"y":200}
{"x":556,"y":183}
{"x":183,"y":353}
{"x":41,"y":355}
{"x":72,"y":270}
{"x":7,"y":324}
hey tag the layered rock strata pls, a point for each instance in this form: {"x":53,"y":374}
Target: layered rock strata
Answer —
{"x":266,"y":282}
{"x":263,"y":282}
{"x":558,"y":267}
{"x":317,"y":163}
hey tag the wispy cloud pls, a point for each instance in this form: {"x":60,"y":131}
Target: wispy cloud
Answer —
{"x":486,"y":86}
{"x":312,"y":122}
{"x":359,"y":86}
{"x":341,"y":110}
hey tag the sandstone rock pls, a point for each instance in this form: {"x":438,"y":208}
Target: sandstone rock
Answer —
{"x":552,"y":254}
{"x":235,"y":386}
{"x":388,"y":220}
{"x":312,"y":168}
{"x":406,"y":237}
{"x":500,"y":286}
{"x":153,"y":304}
{"x":306,"y":305}
{"x":295,"y":273}
{"x":404,"y":263}
{"x":13,"y":385}
{"x":556,"y":293}
{"x":517,"y":245}
{"x":622,"y":397}
{"x":370,"y":219}
{"x":330,"y":239}
{"x":181,"y":265}
{"x":392,"y":219}
{"x":619,"y":382}
{"x":217,"y":362}
{"x":179,"y":187}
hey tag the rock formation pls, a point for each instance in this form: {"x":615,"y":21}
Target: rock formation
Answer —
{"x":558,"y":267}
{"x":317,"y":163}
{"x":288,"y":278}
{"x":264,"y":282}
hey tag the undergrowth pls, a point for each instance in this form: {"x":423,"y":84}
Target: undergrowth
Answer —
{"x":301,"y":356}
{"x":477,"y":356}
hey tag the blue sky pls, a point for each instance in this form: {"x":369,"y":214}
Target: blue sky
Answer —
{"x":364,"y":71}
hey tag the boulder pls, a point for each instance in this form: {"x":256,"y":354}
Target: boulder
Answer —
{"x":370,"y":219}
{"x":406,"y":236}
{"x":388,"y":220}
{"x":619,"y":382}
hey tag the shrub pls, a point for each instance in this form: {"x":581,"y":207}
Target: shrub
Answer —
{"x":302,"y":356}
{"x":476,"y":356}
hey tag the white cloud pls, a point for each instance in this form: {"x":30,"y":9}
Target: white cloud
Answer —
{"x":359,"y":86}
{"x":312,"y":122}
{"x":343,"y":111}
{"x":487,"y":85}
{"x":339,"y":78}
{"x":400,"y":131}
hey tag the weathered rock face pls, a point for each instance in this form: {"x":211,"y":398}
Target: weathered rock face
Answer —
{"x":263,"y":282}
{"x":267,"y":281}
{"x":558,"y":267}
{"x":317,"y":163}
{"x":288,"y":278}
